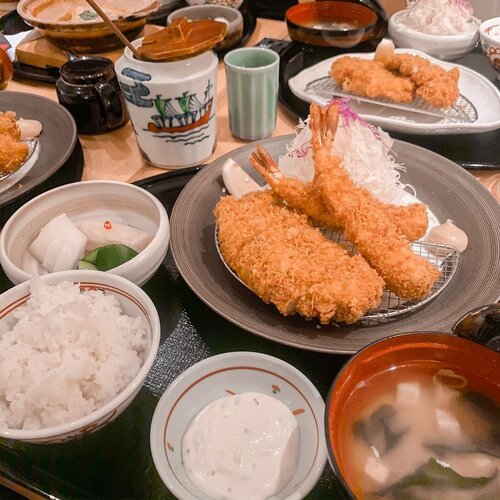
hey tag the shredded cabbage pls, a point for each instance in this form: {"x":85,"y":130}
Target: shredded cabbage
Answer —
{"x":365,"y":150}
{"x":439,"y":17}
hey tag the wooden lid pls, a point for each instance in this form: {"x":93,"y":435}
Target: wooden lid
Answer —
{"x":182,"y":39}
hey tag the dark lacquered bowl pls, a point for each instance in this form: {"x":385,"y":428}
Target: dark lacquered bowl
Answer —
{"x":331,"y":23}
{"x":475,"y":354}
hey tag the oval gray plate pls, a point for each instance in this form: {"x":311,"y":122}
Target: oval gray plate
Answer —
{"x":56,"y":142}
{"x":450,"y":192}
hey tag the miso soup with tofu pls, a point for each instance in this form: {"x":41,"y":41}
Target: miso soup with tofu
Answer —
{"x":422,"y":432}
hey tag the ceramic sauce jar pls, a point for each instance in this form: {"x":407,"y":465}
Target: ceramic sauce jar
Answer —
{"x":172,"y":104}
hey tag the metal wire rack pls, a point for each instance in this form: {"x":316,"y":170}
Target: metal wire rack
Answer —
{"x":444,"y":257}
{"x":32,"y":143}
{"x":463,"y":111}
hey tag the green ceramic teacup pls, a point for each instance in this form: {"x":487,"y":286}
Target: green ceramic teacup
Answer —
{"x":252,"y":89}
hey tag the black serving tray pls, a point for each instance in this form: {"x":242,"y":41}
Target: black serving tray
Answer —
{"x":472,"y":151}
{"x":115,"y":462}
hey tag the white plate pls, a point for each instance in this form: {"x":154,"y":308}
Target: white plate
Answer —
{"x":231,"y":374}
{"x":476,"y":88}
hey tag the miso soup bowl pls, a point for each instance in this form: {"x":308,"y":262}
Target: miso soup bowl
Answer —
{"x":330,"y":23}
{"x":350,"y":393}
{"x":114,"y":201}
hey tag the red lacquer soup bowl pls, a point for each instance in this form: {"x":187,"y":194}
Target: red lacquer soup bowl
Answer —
{"x":379,"y":368}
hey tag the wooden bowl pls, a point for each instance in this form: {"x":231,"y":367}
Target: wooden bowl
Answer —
{"x":331,"y":23}
{"x":73,"y":25}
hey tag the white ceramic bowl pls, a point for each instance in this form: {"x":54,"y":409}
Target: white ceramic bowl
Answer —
{"x":134,"y":302}
{"x":229,"y":3}
{"x":234,"y":373}
{"x":490,"y":45}
{"x":447,"y":47}
{"x":117,"y":201}
{"x":232,"y":16}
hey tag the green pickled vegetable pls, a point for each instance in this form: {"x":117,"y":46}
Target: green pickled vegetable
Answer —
{"x":433,"y":474}
{"x":91,"y":256}
{"x":112,"y":256}
{"x":107,"y":257}
{"x":86,"y":266}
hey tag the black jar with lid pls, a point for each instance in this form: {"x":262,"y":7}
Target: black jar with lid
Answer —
{"x":88,"y":89}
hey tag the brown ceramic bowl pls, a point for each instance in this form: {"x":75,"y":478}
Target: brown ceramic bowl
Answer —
{"x":419,"y":352}
{"x":232,"y":17}
{"x":79,"y":29}
{"x":331,"y":23}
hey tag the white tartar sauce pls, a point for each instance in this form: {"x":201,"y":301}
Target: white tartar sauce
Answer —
{"x":242,"y":447}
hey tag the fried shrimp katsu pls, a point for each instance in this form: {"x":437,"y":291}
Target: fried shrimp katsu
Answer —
{"x":290,"y":264}
{"x":364,"y":221}
{"x":301,"y":196}
{"x":435,"y":85}
{"x":411,"y":220}
{"x":371,"y":79}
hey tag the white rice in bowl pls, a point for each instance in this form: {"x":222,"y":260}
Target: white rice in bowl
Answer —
{"x":64,"y":354}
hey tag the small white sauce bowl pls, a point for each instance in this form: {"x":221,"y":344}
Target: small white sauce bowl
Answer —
{"x":446,"y":47}
{"x":116,"y":201}
{"x":490,"y":45}
{"x":134,"y":302}
{"x":229,"y":374}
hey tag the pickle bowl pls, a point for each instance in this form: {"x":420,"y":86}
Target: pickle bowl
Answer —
{"x":117,"y":202}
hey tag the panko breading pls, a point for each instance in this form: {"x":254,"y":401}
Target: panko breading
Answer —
{"x":399,"y":78}
{"x":12,"y":154}
{"x":8,"y":125}
{"x":364,"y":221}
{"x":290,"y":264}
{"x":411,"y":220}
{"x":371,"y":79}
{"x":435,"y":85}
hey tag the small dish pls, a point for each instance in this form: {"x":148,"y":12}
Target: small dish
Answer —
{"x":134,"y":302}
{"x":118,"y":201}
{"x":490,"y":44}
{"x":229,"y":374}
{"x":228,"y":3}
{"x":73,"y":25}
{"x":231,"y":16}
{"x":331,"y":23}
{"x":446,"y":47}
